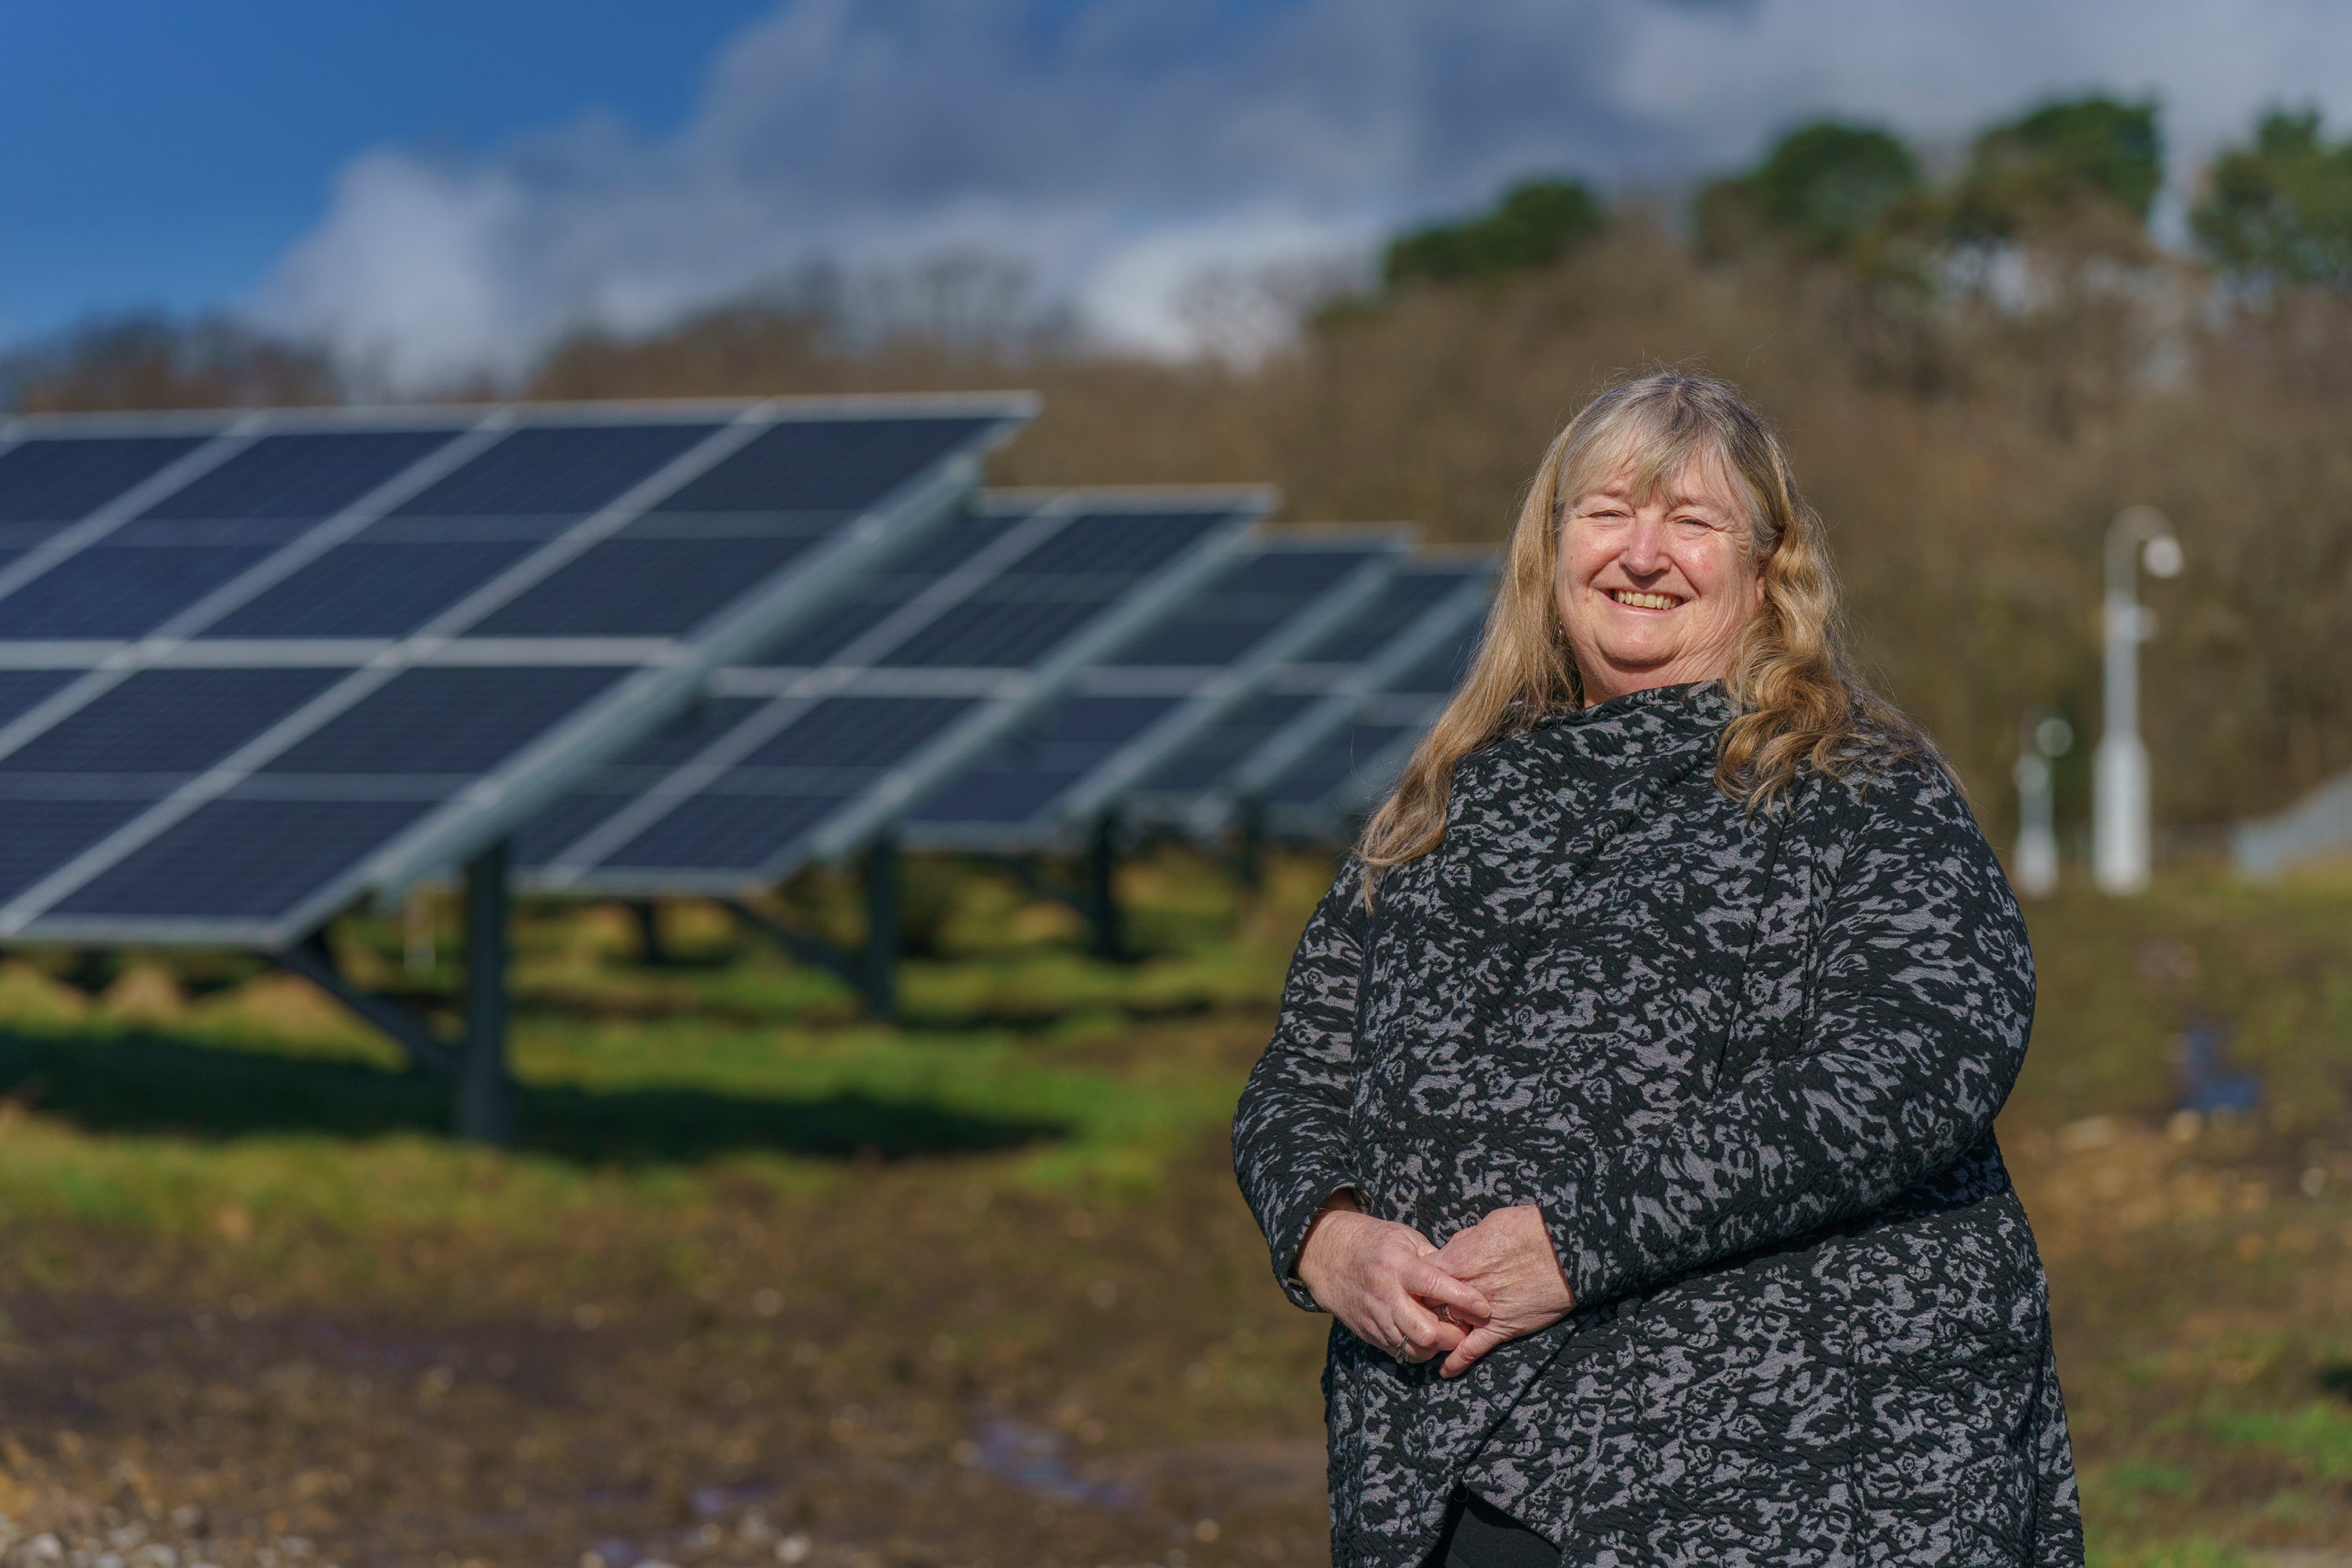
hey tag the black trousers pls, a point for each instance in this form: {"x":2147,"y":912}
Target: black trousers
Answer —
{"x":1480,"y":1535}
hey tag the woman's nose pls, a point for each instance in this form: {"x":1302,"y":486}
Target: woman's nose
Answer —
{"x":1645,"y":545}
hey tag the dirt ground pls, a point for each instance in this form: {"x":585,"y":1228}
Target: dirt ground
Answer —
{"x":916,"y":1367}
{"x":211,"y":1353}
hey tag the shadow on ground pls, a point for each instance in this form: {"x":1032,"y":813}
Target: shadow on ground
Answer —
{"x":149,"y":1084}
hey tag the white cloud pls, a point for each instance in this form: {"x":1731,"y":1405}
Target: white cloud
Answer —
{"x":1124,"y":147}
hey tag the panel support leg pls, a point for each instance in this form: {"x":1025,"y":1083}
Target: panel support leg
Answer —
{"x":1249,"y":843}
{"x":485,"y":1092}
{"x":880,"y":978}
{"x":1102,"y":889}
{"x":646,"y":915}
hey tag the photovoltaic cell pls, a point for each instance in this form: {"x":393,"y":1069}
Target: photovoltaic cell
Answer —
{"x":1000,"y":634}
{"x":561,"y":825}
{"x":1120,"y":541}
{"x":1442,"y":669}
{"x":555,"y":468}
{"x":644,"y":588}
{"x":1322,"y":772}
{"x":448,"y":719}
{"x":168,"y":722}
{"x":1211,"y":755}
{"x":242,"y":859}
{"x":1231,"y":616}
{"x":372,"y":589}
{"x":1026,"y":772}
{"x":62,"y":480}
{"x":44,"y":833}
{"x":1323,"y":789}
{"x":21,"y":689}
{"x":712,"y":835}
{"x":859,"y":732}
{"x":121,"y":590}
{"x":299,"y":475}
{"x":1403,"y":600}
{"x":865,"y":603}
{"x":807,"y":467}
{"x":686,"y":737}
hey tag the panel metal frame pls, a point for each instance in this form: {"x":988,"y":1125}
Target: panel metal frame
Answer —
{"x":1008,"y":695}
{"x":496,"y":802}
{"x":1061,"y":823}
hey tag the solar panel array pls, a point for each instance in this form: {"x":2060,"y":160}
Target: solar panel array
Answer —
{"x":1314,"y":781}
{"x":1163,"y":688}
{"x":252,"y":665}
{"x":917,"y":666}
{"x":1304,"y":699}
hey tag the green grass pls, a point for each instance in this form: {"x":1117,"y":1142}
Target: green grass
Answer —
{"x":207,"y":1116}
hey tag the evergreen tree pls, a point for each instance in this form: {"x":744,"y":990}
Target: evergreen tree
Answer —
{"x":1827,"y":186}
{"x":2049,"y":164}
{"x":1534,"y":224}
{"x":2280,"y":208}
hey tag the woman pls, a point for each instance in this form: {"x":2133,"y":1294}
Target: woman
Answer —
{"x":1673,"y":991}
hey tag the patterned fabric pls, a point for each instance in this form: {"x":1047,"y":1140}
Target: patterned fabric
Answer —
{"x":1747,"y":1063}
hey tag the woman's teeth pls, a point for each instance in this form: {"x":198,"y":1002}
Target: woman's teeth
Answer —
{"x":1643,"y":600}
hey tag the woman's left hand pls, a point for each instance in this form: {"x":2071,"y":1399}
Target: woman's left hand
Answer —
{"x":1506,"y":1258}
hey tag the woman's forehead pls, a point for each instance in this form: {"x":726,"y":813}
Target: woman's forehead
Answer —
{"x":1692,"y":476}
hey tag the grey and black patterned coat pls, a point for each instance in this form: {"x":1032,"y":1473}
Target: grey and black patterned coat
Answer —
{"x":1747,"y":1066}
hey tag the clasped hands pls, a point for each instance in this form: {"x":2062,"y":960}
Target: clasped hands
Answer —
{"x":1405,"y":1296}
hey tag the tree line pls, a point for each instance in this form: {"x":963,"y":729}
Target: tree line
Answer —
{"x":1979,"y":359}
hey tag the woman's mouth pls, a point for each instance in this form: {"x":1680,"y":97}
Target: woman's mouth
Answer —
{"x":1642,"y":601}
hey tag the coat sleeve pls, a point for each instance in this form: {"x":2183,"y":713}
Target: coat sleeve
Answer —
{"x":1291,"y":1143}
{"x":1922,"y":999}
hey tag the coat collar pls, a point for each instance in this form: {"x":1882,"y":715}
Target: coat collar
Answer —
{"x":1640,"y":727}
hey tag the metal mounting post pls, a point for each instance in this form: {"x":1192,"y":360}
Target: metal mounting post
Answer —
{"x":1249,"y":842}
{"x":1102,"y":888}
{"x":485,"y":1092}
{"x":880,"y":978}
{"x":646,"y":913}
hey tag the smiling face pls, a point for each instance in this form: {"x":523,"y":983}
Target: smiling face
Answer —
{"x":1653,"y":590}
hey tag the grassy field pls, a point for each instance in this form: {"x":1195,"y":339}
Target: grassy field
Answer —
{"x":769,"y":1283}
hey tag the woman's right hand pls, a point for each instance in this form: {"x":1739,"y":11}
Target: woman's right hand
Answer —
{"x":1374,"y":1276}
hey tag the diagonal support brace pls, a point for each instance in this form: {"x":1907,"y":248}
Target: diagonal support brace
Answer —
{"x":314,"y":960}
{"x":873,"y":973}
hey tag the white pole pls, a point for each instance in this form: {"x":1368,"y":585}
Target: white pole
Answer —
{"x":2119,"y":827}
{"x":2036,"y":858}
{"x":2037,"y":838}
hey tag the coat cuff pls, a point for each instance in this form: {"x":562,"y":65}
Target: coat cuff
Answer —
{"x":1288,"y":1232}
{"x":1595,"y":1271}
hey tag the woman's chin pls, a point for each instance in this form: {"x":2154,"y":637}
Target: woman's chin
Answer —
{"x":1638,"y":669}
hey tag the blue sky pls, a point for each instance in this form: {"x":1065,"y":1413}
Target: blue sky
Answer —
{"x":167,"y":152}
{"x":435,"y":191}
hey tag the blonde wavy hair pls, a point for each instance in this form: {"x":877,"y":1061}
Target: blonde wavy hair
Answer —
{"x":1798,"y":700}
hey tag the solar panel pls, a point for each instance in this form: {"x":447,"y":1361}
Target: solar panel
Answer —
{"x":922,"y":662}
{"x":1194,"y":787}
{"x":1316,"y":777}
{"x":1156,"y":694}
{"x":254,"y":665}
